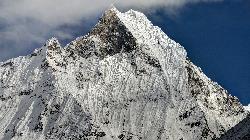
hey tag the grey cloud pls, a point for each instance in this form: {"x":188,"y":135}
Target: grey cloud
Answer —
{"x":23,"y":22}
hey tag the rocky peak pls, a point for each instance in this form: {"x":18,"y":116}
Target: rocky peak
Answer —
{"x":52,"y":44}
{"x":112,"y":32}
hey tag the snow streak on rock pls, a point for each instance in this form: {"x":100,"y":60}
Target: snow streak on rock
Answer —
{"x":126,"y":79}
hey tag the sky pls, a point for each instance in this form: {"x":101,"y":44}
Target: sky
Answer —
{"x":215,"y":33}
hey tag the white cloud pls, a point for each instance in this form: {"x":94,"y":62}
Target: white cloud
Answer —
{"x":34,"y":20}
{"x":56,"y":12}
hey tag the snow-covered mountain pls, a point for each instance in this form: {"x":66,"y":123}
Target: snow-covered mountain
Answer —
{"x":126,"y":79}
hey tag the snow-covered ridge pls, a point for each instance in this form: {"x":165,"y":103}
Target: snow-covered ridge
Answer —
{"x":247,"y":108}
{"x":126,"y":79}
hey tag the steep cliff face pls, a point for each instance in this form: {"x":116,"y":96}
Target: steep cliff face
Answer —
{"x":126,"y":79}
{"x":218,"y":106}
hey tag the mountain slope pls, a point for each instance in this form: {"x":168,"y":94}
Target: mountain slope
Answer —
{"x":126,"y":79}
{"x":239,"y":132}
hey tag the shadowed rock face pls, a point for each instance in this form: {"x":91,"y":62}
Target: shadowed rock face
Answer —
{"x":239,"y":132}
{"x":125,"y":80}
{"x":114,"y":34}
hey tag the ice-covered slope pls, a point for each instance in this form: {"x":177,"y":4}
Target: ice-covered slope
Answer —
{"x":247,"y":108}
{"x":126,"y":79}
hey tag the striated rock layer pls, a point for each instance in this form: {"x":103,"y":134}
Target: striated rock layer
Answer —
{"x":125,"y":80}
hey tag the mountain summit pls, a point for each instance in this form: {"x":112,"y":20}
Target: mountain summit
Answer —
{"x":126,"y":79}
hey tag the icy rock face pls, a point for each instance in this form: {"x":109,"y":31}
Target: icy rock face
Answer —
{"x":126,"y":79}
